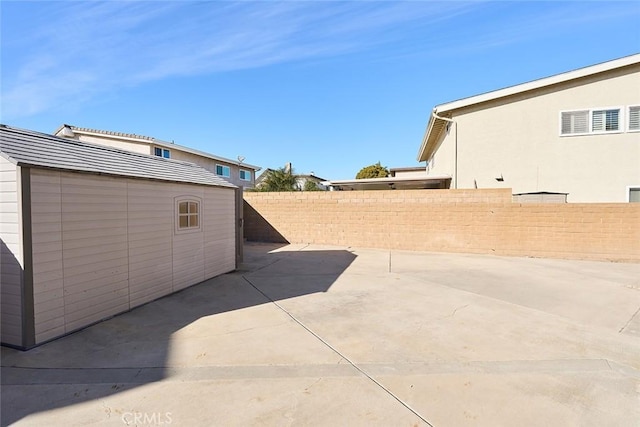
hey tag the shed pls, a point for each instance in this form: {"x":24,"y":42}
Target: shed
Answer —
{"x":89,"y":231}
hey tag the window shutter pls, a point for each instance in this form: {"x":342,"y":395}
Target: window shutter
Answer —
{"x":597,"y":121}
{"x":575,"y":122}
{"x":634,"y":118}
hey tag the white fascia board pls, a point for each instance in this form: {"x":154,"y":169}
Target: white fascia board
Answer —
{"x":540,"y":83}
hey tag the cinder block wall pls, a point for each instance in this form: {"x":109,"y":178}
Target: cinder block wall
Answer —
{"x":473,"y":221}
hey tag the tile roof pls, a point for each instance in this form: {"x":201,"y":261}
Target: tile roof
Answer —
{"x":158,"y":142}
{"x":30,"y":148}
{"x":112,"y":133}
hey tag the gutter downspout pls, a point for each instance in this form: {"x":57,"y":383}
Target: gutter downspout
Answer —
{"x":455,"y":139}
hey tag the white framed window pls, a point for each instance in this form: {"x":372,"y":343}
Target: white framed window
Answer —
{"x":223,"y":171}
{"x":245,"y":175}
{"x":574,"y":122}
{"x":633,"y":194}
{"x":634,"y":118}
{"x":188,"y":213}
{"x":162,"y":152}
{"x":593,"y":121}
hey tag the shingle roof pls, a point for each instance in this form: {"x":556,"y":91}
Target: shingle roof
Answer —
{"x":30,"y":148}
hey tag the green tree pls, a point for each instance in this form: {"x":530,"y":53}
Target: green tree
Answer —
{"x":310,"y":186}
{"x":281,"y":179}
{"x":373,"y":171}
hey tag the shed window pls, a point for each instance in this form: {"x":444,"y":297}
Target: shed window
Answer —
{"x":245,"y":175}
{"x":634,"y":118}
{"x":634,"y":195}
{"x":223,"y":171}
{"x":162,"y":152}
{"x":188,"y":215}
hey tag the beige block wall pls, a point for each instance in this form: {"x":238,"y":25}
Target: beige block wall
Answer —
{"x":103,"y":245}
{"x":518,"y":138}
{"x":472,"y":221}
{"x":11,"y":255}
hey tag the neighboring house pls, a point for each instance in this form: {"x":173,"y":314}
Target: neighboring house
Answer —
{"x":89,"y":231}
{"x":407,"y":178}
{"x":576,"y":133}
{"x":412,"y":171}
{"x":301,"y":181}
{"x":235,"y":172}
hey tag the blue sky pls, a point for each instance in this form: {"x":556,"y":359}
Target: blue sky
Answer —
{"x":328,"y":86}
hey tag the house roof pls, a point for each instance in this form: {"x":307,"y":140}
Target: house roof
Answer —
{"x":393,"y":183}
{"x":154,"y":141}
{"x":29,"y":148}
{"x":438,"y":120}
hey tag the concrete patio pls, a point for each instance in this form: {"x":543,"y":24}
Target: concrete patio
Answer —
{"x":308,"y":335}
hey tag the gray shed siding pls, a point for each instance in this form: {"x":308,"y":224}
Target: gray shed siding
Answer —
{"x":103,"y":245}
{"x":11,"y":255}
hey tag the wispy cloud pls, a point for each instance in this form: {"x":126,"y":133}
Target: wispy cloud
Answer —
{"x":75,"y":51}
{"x":82,"y":49}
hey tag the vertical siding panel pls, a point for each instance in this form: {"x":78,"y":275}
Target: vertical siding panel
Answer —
{"x":11,"y":255}
{"x":94,"y":212}
{"x":48,"y":277}
{"x":150,"y":231}
{"x":219,"y":231}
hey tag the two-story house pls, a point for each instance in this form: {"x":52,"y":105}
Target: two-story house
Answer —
{"x":234,"y":171}
{"x":575,"y":133}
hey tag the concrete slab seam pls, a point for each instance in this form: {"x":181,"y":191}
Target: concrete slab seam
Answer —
{"x":629,"y":321}
{"x":353,"y":364}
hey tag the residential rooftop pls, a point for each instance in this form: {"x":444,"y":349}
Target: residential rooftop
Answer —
{"x":34,"y":149}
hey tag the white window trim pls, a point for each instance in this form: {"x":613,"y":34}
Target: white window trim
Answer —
{"x":162,"y":150}
{"x":176,"y":214}
{"x":629,"y":107}
{"x":248,"y":172}
{"x":629,"y":188}
{"x":223,"y":166}
{"x":621,"y":121}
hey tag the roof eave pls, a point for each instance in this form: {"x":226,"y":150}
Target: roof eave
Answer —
{"x":540,"y":83}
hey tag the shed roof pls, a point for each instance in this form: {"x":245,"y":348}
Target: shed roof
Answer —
{"x":29,"y":148}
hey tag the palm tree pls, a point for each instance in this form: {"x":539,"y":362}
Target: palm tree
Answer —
{"x":281,"y":179}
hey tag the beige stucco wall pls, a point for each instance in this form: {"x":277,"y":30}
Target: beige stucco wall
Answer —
{"x":136,"y":147}
{"x":103,"y":245}
{"x":519,"y":139}
{"x":176,"y":154}
{"x":11,"y":255}
{"x":210,"y":165}
{"x":410,"y":174}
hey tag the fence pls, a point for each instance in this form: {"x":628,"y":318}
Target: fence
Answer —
{"x":473,"y":221}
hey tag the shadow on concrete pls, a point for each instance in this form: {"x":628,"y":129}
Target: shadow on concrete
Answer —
{"x":10,"y":288}
{"x":133,"y":349}
{"x":258,"y":229}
